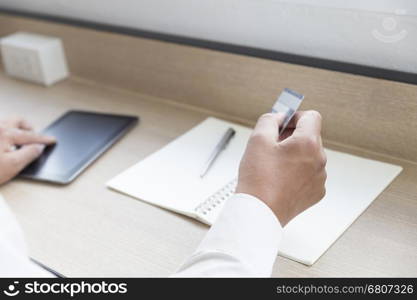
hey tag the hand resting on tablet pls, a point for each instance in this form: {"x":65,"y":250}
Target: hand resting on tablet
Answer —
{"x":19,"y":146}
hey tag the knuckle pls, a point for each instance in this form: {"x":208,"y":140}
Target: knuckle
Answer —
{"x":323,"y":193}
{"x":315,"y":114}
{"x":266,"y":116}
{"x":259,"y":137}
{"x":11,"y":132}
{"x":323,"y":161}
{"x":34,"y":151}
{"x":310,"y":143}
{"x":8,"y":133}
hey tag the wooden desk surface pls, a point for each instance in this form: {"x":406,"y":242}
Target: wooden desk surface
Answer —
{"x":84,"y":229}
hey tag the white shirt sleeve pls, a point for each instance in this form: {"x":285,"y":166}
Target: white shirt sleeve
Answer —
{"x":14,"y":260}
{"x":243,"y":242}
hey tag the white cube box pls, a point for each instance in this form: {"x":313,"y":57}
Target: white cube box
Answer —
{"x":34,"y":57}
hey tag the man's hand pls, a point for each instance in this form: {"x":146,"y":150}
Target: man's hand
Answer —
{"x":18,"y":133}
{"x":286,"y":173}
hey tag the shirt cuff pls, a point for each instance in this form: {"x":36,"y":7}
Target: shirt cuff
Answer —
{"x":248,"y":230}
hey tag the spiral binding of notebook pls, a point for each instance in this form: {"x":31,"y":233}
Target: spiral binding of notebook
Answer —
{"x":208,"y":210}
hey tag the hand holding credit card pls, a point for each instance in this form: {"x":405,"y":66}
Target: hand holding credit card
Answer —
{"x":285,"y":168}
{"x":287,"y":104}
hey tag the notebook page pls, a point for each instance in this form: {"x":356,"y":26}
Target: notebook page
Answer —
{"x":352,"y":184}
{"x":171,"y":176}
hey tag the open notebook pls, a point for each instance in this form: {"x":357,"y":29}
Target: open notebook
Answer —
{"x":170,"y":178}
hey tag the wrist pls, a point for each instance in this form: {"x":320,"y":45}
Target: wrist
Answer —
{"x":280,"y":212}
{"x":266,"y":207}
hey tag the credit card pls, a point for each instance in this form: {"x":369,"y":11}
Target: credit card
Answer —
{"x":287,"y":103}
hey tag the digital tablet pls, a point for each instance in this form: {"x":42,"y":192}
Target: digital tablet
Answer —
{"x":81,"y":138}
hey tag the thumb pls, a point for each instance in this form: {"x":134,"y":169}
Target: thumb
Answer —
{"x":308,"y":124}
{"x":268,"y":126}
{"x":22,"y":157}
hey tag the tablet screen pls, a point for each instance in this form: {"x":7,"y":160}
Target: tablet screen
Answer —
{"x":81,"y":138}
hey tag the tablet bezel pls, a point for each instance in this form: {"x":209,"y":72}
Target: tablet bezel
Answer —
{"x":67,"y":178}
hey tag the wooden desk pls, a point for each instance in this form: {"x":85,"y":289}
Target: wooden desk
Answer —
{"x":85,"y":229}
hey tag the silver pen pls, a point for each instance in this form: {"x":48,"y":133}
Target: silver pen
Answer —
{"x":222,"y":144}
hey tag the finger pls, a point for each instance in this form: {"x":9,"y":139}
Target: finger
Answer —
{"x":4,"y":140}
{"x":268,"y":125}
{"x":21,"y":137}
{"x":293,"y":122}
{"x":308,"y":123}
{"x":20,"y":158}
{"x":19,"y":123}
{"x":25,"y":125}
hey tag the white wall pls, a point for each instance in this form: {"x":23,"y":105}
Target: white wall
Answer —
{"x":379,"y":33}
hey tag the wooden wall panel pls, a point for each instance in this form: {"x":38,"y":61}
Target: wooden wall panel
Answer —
{"x":373,"y":114}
